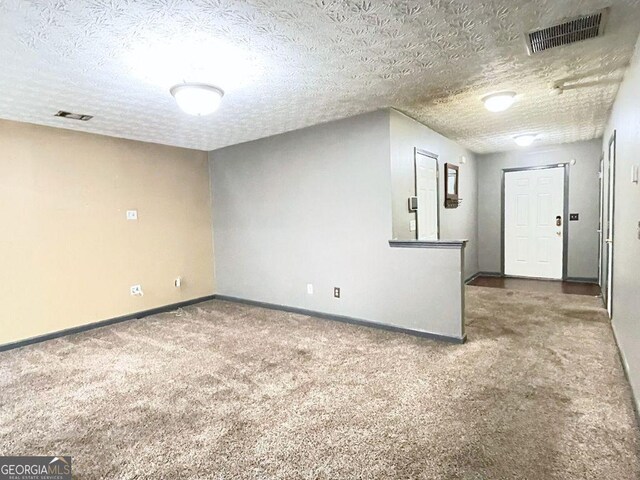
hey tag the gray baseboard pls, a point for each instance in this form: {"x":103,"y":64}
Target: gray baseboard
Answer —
{"x":483,"y":274}
{"x":582,"y":280}
{"x":174,"y":306}
{"x":491,"y":274}
{"x":344,"y":319}
{"x":102,"y":323}
{"x":472,"y":277}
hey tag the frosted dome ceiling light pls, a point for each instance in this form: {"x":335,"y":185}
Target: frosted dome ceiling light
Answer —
{"x":525,"y":140}
{"x":197,"y":98}
{"x":498,"y":102}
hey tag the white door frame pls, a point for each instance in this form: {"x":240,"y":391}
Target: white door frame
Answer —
{"x":611,"y":210}
{"x":565,"y":213}
{"x":601,"y":232}
{"x":416,"y":152}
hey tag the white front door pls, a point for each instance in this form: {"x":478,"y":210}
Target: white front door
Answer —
{"x":534,"y":222}
{"x":427,"y":193}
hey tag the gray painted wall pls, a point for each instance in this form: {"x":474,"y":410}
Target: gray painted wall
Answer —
{"x":583,"y":199}
{"x":625,"y":119}
{"x":314,"y":206}
{"x":456,"y":223}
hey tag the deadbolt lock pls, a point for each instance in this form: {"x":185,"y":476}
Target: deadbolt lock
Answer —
{"x":558,"y":221}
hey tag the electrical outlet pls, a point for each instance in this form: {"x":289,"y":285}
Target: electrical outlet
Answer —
{"x":336,"y":292}
{"x":177,"y":282}
{"x":132,"y":214}
{"x":310,"y":288}
{"x":412,"y":225}
{"x":136,"y":290}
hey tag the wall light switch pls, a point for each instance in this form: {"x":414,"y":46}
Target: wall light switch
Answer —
{"x":132,"y":214}
{"x":310,"y":288}
{"x":634,"y":173}
{"x":412,"y":226}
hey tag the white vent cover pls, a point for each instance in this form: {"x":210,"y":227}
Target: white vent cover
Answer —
{"x":568,"y":32}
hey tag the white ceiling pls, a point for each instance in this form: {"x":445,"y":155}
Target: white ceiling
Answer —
{"x":287,"y":64}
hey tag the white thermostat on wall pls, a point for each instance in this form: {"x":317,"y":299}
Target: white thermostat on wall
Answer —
{"x":132,"y":214}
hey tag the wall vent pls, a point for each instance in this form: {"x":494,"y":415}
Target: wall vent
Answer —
{"x":568,"y":32}
{"x":73,"y":116}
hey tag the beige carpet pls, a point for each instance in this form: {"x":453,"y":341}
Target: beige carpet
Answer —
{"x":221,"y":390}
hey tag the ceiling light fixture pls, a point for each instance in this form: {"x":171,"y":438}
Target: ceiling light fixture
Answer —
{"x":525,"y":140}
{"x":197,"y":98}
{"x":498,"y":102}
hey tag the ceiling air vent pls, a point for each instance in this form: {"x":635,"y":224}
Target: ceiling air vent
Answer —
{"x":73,"y":116}
{"x":571,"y":31}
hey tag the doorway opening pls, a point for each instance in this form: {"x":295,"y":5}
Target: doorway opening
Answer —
{"x":534,"y":222}
{"x":427,"y":193}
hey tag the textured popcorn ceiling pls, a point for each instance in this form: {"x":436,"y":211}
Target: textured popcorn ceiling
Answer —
{"x":287,"y":64}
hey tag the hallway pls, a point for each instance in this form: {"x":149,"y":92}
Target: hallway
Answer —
{"x":561,"y":406}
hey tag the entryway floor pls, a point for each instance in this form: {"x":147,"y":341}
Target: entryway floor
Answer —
{"x":532,"y":285}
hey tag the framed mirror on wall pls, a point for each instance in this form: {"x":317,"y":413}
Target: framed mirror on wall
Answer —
{"x":451,"y":186}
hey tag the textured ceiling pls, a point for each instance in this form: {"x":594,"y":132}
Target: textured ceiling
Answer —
{"x":287,"y":64}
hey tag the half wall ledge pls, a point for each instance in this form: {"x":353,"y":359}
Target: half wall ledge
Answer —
{"x":428,"y":243}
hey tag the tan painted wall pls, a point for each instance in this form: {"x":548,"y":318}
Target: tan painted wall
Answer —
{"x":67,"y":253}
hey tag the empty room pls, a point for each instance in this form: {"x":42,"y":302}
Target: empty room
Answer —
{"x":319,"y":239}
